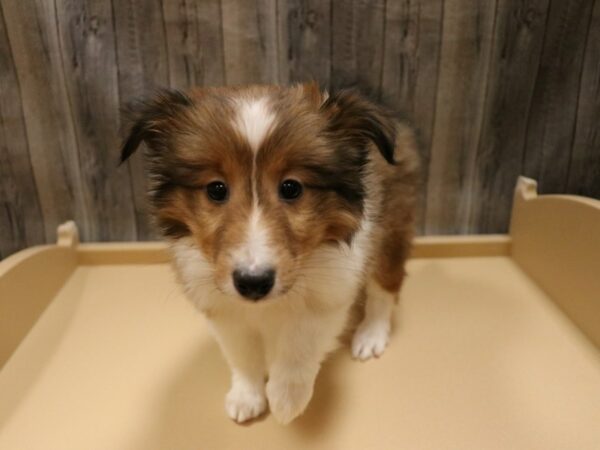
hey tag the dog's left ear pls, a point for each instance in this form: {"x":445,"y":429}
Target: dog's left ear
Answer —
{"x":357,"y":121}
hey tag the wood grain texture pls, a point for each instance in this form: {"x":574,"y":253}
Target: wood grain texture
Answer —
{"x":516,"y":52}
{"x":497,"y":88}
{"x":584,"y":169}
{"x":21,"y":220}
{"x":31,"y":26}
{"x":141,"y":46}
{"x":194,"y":43}
{"x":357,"y":33}
{"x":304,"y":36}
{"x":413,"y":33}
{"x":250,"y":41}
{"x":88,"y":56}
{"x":551,"y":122}
{"x":143,"y":65}
{"x":468,"y":28}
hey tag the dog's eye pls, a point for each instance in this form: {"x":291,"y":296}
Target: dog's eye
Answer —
{"x":217,"y":191}
{"x":290,"y":189}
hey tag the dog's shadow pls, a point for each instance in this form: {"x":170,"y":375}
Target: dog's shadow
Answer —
{"x":191,"y":413}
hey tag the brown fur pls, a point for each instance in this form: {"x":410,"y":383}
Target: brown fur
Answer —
{"x":324,"y":143}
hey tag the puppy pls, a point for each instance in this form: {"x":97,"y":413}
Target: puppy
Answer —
{"x":281,"y":206}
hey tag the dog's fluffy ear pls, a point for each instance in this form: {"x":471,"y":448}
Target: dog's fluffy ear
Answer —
{"x":354,"y":119}
{"x":148,"y":120}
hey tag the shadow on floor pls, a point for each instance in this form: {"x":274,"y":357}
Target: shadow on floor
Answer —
{"x":192,"y":414}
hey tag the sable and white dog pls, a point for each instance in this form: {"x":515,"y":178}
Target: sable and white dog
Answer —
{"x":282,"y":205}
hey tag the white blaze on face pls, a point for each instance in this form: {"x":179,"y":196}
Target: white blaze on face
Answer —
{"x":254,"y":120}
{"x":255,"y":254}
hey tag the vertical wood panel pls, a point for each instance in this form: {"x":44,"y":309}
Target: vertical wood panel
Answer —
{"x":497,"y":88}
{"x":369,"y":30}
{"x":89,"y":63}
{"x":304,"y":40}
{"x":21,"y":221}
{"x":141,"y":46}
{"x":194,"y":43}
{"x":466,"y":42}
{"x":552,"y":117}
{"x":520,"y":27}
{"x":584,"y":173}
{"x":410,"y":68}
{"x":143,"y":66}
{"x":250,"y":41}
{"x":357,"y":35}
{"x":31,"y":26}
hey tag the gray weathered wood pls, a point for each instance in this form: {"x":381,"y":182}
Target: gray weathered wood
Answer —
{"x":89,"y":63}
{"x":31,"y":26}
{"x":141,"y":46}
{"x":250,"y":41}
{"x":497,"y":88}
{"x":143,"y":67}
{"x":357,"y":35}
{"x":194,"y":43}
{"x":551,"y":122}
{"x":520,"y":27}
{"x":21,"y":220}
{"x":413,"y":33}
{"x":304,"y":35}
{"x":584,"y":173}
{"x":466,"y":42}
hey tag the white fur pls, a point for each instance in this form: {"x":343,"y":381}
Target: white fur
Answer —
{"x":245,"y":400}
{"x":287,"y":337}
{"x":195,"y":272}
{"x":373,"y":333}
{"x":254,"y":120}
{"x":255,"y":253}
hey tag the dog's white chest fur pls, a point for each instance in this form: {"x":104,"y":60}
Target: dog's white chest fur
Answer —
{"x":285,"y":338}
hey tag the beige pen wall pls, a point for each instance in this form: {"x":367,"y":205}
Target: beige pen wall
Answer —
{"x":497,"y":88}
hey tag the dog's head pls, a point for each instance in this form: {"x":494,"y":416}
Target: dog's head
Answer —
{"x":258,"y":178}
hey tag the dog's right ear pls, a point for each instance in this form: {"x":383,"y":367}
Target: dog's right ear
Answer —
{"x":148,"y":120}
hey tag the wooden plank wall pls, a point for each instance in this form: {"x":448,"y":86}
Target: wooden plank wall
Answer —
{"x":497,"y":88}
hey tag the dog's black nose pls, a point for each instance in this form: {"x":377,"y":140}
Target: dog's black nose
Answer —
{"x":254,"y":286}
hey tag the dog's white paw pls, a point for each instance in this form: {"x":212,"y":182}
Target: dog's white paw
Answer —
{"x":370,"y":340}
{"x":288,"y":398}
{"x":244,"y":402}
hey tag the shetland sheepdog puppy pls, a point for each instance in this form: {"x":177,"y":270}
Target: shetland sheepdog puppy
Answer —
{"x":282,"y":206}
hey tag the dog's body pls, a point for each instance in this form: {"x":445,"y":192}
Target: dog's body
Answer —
{"x":282,"y":205}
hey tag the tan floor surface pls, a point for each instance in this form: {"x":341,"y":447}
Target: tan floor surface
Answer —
{"x":479,"y":359}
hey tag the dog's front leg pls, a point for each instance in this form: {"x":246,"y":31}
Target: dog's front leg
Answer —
{"x":243,"y":351}
{"x":300,"y":347}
